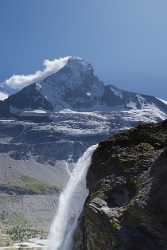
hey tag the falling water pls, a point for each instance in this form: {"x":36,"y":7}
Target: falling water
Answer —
{"x":70,"y":205}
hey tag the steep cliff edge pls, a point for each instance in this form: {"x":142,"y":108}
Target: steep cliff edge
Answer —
{"x":127,"y":205}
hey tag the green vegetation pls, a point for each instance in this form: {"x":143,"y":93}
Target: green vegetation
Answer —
{"x":37,"y":186}
{"x":7,"y":198}
{"x":22,"y":232}
{"x":16,"y":228}
{"x":21,"y":229}
{"x":28,"y":185}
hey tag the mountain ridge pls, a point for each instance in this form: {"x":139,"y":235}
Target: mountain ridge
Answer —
{"x":75,"y":86}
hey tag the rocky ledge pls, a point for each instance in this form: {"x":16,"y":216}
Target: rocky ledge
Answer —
{"x":127,"y":205}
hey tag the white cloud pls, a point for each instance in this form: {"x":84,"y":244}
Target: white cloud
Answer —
{"x":3,"y":96}
{"x":50,"y":66}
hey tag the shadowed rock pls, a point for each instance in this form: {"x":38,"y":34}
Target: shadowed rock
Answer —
{"x":127,"y":205}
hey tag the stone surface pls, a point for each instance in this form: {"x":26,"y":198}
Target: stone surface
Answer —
{"x":127,"y":205}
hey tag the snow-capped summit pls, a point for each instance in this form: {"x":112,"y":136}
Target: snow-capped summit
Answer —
{"x":75,"y":86}
{"x":70,"y":83}
{"x":17,"y":82}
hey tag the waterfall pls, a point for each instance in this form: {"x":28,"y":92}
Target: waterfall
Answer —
{"x":70,"y":205}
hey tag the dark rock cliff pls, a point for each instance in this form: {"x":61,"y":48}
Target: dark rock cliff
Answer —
{"x":127,"y":205}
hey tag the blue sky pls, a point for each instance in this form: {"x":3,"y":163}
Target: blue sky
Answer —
{"x":126,"y":40}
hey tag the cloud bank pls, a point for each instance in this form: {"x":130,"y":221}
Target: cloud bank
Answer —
{"x":49,"y":67}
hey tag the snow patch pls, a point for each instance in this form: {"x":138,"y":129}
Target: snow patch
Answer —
{"x":67,"y":111}
{"x":36,"y":112}
{"x":131,"y":104}
{"x":162,"y":100}
{"x":147,"y":115}
{"x":116,"y":92}
{"x":141,"y":100}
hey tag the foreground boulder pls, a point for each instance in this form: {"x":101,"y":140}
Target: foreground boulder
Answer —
{"x":127,"y":205}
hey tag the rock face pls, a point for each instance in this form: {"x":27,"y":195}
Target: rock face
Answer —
{"x":127,"y":205}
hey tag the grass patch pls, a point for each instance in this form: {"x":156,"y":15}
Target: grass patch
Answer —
{"x":37,"y":186}
{"x":21,"y":229}
{"x":28,"y":185}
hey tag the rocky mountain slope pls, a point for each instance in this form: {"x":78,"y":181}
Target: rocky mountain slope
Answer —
{"x":127,"y":207}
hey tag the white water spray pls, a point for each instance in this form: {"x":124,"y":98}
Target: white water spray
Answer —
{"x":70,"y":205}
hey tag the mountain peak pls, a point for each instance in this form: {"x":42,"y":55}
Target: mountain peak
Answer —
{"x":71,"y":63}
{"x":70,"y":83}
{"x":77,"y":60}
{"x":78,"y":63}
